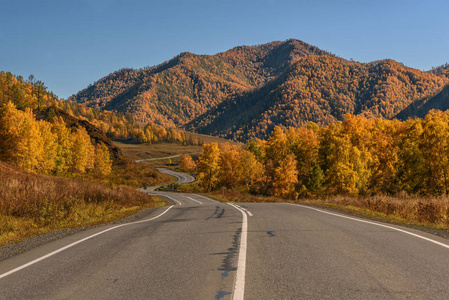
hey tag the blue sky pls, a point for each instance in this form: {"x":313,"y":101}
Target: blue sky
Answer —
{"x":69,"y":44}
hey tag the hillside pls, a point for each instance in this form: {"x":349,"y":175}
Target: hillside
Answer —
{"x":321,"y":89}
{"x":421,"y":107}
{"x":72,"y":122}
{"x":187,"y":86}
{"x":244,"y":92}
{"x":442,"y":70}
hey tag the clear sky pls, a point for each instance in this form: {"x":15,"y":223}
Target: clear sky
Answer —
{"x":69,"y":44}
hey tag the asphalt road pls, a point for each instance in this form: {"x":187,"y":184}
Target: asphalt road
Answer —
{"x":203,"y":249}
{"x":181,"y":177}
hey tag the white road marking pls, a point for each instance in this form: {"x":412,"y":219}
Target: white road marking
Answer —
{"x":194,"y":200}
{"x":373,"y":223}
{"x":242,"y":208}
{"x":208,"y":198}
{"x":76,"y":243}
{"x":239,"y":283}
{"x":247,"y":211}
{"x":171,"y":199}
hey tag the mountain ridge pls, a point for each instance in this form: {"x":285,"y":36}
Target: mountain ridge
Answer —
{"x":244,"y":92}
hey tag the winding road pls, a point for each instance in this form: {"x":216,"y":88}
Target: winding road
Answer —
{"x":200,"y":248}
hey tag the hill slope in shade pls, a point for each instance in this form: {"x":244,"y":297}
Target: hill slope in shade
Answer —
{"x":421,"y":107}
{"x":321,"y":89}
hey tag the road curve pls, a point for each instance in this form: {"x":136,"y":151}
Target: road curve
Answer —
{"x":203,"y":249}
{"x":182,"y":178}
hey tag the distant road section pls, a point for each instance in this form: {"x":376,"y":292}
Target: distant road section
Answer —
{"x":181,"y":177}
{"x":161,"y":158}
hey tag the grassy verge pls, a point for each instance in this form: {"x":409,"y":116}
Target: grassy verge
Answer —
{"x":420,"y":211}
{"x":32,"y":204}
{"x":130,"y":174}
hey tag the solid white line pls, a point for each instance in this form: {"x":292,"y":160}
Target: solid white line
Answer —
{"x":247,"y":211}
{"x":194,"y":200}
{"x":239,"y":283}
{"x":373,"y":223}
{"x":76,"y":243}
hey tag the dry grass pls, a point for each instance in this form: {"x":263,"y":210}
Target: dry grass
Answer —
{"x":146,"y":151}
{"x":428,"y":211}
{"x":32,"y":204}
{"x":131,"y":174}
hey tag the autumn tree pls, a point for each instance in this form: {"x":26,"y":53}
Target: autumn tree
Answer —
{"x":434,"y":145}
{"x":103,"y":162}
{"x":229,"y":161}
{"x":21,"y":140}
{"x":83,"y":152}
{"x":49,"y":145}
{"x":63,"y":159}
{"x":208,"y":166}
{"x":250,"y":170}
{"x":186,"y":163}
{"x":285,"y":177}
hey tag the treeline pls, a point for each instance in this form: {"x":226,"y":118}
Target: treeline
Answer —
{"x":320,"y":89}
{"x":359,"y":156}
{"x":117,"y":126}
{"x":442,"y":70}
{"x":49,"y":147}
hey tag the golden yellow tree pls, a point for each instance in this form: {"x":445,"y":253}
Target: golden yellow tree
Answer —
{"x":103,"y":162}
{"x":187,"y":164}
{"x":229,"y":171}
{"x":21,"y":140}
{"x":208,"y":166}
{"x":285,"y":177}
{"x":83,"y":152}
{"x":63,"y":159}
{"x":49,"y":146}
{"x":434,"y":145}
{"x":250,"y":170}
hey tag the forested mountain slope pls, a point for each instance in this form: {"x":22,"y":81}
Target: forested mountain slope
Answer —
{"x":244,"y":92}
{"x":442,"y":70}
{"x":421,"y":107}
{"x":321,"y":89}
{"x":175,"y":92}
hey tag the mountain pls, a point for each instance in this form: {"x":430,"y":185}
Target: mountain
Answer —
{"x":421,"y":107}
{"x":244,"y":92}
{"x":321,"y":89}
{"x":442,"y":70}
{"x":187,"y":86}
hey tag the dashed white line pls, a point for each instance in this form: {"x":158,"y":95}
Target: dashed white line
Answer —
{"x":373,"y":223}
{"x":209,"y":199}
{"x":76,"y":243}
{"x":197,"y":201}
